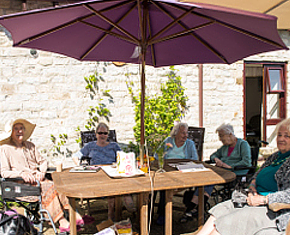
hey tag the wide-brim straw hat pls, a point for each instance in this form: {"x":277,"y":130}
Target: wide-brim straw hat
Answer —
{"x":6,"y":136}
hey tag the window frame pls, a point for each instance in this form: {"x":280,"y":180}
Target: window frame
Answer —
{"x":268,"y":82}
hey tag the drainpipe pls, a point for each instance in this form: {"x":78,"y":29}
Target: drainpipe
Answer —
{"x":200,"y":79}
{"x":200,"y":189}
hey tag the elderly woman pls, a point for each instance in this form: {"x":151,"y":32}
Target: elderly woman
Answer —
{"x":270,"y":184}
{"x":104,"y":152}
{"x":234,"y":152}
{"x":182,"y":148}
{"x":20,"y":158}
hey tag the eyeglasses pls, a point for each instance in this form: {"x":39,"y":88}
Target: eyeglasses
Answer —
{"x":102,"y":133}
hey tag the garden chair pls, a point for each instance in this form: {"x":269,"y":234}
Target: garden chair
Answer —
{"x":13,"y":189}
{"x":195,"y":134}
{"x":224,"y":192}
{"x":89,"y":136}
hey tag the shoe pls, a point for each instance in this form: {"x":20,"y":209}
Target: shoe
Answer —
{"x":64,"y":230}
{"x":193,"y":213}
{"x":160,"y":220}
{"x":185,"y":218}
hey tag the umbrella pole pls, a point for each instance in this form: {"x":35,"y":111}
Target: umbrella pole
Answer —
{"x":142,"y":110}
{"x":143,"y":16}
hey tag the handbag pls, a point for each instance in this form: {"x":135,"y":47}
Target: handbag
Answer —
{"x":12,"y":223}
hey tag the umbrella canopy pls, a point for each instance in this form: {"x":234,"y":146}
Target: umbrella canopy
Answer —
{"x":278,"y":8}
{"x":152,"y":32}
{"x":171,"y":33}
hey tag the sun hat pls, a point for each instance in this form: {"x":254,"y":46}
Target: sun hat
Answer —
{"x":29,"y":128}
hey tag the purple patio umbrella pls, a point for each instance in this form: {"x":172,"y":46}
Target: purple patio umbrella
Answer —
{"x":151,"y":32}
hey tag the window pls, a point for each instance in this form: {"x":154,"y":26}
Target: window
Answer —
{"x":275,"y":79}
{"x":274,"y":95}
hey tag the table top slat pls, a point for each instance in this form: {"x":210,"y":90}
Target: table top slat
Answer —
{"x":99,"y":184}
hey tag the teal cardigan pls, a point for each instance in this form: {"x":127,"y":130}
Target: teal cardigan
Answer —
{"x":241,"y":155}
{"x":189,"y":150}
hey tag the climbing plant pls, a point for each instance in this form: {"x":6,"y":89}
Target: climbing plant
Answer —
{"x":95,"y":113}
{"x":161,"y":109}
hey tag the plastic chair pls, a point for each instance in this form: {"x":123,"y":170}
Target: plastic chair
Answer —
{"x":13,"y":189}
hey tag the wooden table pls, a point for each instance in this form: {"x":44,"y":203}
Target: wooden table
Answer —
{"x":95,"y":185}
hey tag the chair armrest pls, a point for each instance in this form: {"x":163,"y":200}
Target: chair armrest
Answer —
{"x":276,"y":206}
{"x":244,"y":168}
{"x":18,"y":179}
{"x":51,"y":169}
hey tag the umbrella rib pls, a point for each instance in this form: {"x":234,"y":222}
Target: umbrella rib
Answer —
{"x":106,"y":33}
{"x":64,"y":7}
{"x":193,"y":34}
{"x":112,"y":23}
{"x":172,"y":23}
{"x":27,"y":40}
{"x":61,"y":26}
{"x":181,"y":33}
{"x":113,"y":7}
{"x":258,"y":37}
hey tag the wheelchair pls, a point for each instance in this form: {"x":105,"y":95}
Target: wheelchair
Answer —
{"x":224,"y":192}
{"x":14,"y":189}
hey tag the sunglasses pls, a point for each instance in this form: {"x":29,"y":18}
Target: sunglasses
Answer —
{"x":102,"y":133}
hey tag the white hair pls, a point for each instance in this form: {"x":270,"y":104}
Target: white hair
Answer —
{"x":176,"y":129}
{"x":226,"y":128}
{"x":285,"y":123}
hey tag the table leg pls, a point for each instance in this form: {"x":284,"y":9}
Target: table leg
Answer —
{"x":143,"y":208}
{"x":168,"y":212}
{"x":200,"y":207}
{"x":118,"y":207}
{"x":72,"y":216}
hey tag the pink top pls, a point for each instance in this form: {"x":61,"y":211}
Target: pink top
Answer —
{"x":14,"y":160}
{"x":231,"y":149}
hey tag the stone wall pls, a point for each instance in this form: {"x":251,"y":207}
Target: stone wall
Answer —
{"x":49,"y":90}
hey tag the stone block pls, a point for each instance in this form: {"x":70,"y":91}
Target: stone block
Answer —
{"x":6,"y":4}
